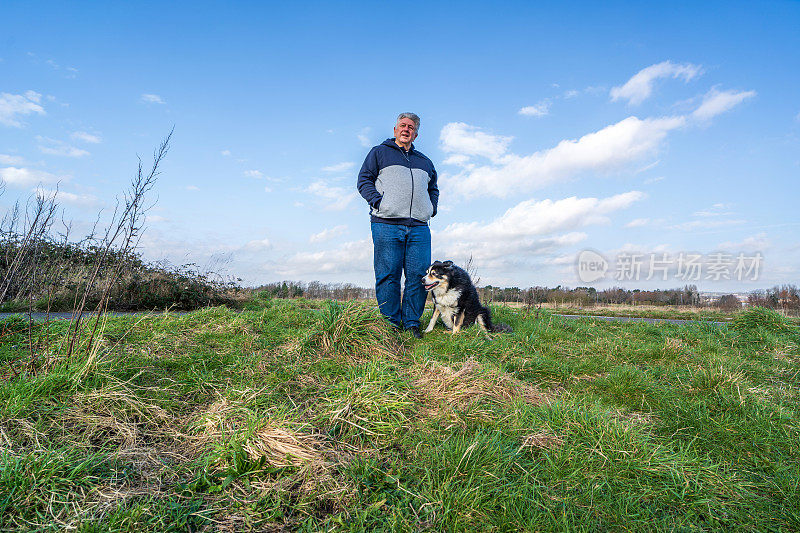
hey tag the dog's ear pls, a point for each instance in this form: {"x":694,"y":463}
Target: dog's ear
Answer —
{"x":447,"y":264}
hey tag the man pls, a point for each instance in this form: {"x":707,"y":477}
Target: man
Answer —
{"x":399,"y":184}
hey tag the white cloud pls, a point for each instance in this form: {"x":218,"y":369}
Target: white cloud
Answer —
{"x":653,"y":180}
{"x":55,"y":147}
{"x":80,"y":200}
{"x":502,"y":254}
{"x":350,"y":257}
{"x":254,"y":174}
{"x":637,"y":223}
{"x":152,"y":99}
{"x":528,"y":228}
{"x":539,"y":110}
{"x":26,"y":177}
{"x":590,"y":90}
{"x":460,"y":160}
{"x":704,"y":224}
{"x":156,"y":219}
{"x":6,"y":159}
{"x":339,"y":167}
{"x":56,"y":66}
{"x":608,"y":149}
{"x":532,"y":217}
{"x":759,"y":242}
{"x":327,"y":234}
{"x":716,"y":210}
{"x":225,"y":153}
{"x":258,"y":245}
{"x":15,"y":105}
{"x":86,"y":137}
{"x":363,"y":137}
{"x":331,"y":198}
{"x":192,"y":188}
{"x":648,"y":167}
{"x":267,"y":189}
{"x":640,"y":86}
{"x":461,"y":138}
{"x":716,"y":102}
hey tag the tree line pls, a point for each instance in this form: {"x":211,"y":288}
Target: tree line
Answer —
{"x":783,"y":297}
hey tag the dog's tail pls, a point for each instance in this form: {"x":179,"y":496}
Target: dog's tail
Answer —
{"x":492,"y":327}
{"x":501,"y":328}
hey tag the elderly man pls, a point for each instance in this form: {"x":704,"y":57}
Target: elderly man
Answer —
{"x":399,"y":184}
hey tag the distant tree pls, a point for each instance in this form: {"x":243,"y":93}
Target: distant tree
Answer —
{"x":728,"y":302}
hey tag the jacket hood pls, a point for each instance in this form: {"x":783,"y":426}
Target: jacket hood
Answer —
{"x":391,"y":142}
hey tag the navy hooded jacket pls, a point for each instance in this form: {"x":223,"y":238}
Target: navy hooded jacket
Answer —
{"x":399,"y":186}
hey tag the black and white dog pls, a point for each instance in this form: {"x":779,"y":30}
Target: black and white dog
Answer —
{"x":456,"y":300}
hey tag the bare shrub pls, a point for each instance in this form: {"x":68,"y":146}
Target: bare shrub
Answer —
{"x":728,"y":302}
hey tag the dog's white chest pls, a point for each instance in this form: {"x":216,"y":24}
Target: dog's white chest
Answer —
{"x":448,"y":298}
{"x":447,"y":303}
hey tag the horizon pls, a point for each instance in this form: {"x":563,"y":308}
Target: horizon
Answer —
{"x":564,"y":136}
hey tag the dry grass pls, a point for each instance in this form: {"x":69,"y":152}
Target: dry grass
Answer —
{"x":115,"y":415}
{"x":673,"y":345}
{"x":316,"y":478}
{"x":220,"y":419}
{"x":541,"y":440}
{"x":281,"y":447}
{"x":443,"y":389}
{"x":282,"y":442}
{"x":635,"y":417}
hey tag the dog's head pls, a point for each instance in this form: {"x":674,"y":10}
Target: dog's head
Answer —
{"x":438,"y":275}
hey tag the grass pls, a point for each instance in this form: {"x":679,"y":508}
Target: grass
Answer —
{"x":646,"y":311}
{"x":315,"y":416}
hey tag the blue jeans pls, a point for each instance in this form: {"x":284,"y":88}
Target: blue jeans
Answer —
{"x":401,"y":248}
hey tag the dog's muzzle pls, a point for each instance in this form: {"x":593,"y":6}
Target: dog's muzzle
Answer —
{"x":429,"y":286}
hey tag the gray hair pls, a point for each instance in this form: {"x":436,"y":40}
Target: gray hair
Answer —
{"x":412,"y":116}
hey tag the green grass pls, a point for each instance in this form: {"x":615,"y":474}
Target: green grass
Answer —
{"x":317,"y":416}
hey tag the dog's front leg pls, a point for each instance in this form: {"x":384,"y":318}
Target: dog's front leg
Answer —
{"x":457,"y":321}
{"x":436,"y":314}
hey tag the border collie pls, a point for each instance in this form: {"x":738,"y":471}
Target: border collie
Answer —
{"x":456,"y":300}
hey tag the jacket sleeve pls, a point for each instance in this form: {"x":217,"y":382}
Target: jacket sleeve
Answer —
{"x":433,"y":191}
{"x":366,"y":179}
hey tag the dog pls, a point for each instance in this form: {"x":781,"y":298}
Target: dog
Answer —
{"x":455,"y":299}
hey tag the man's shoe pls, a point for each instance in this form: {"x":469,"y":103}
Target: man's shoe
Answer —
{"x":415,"y":331}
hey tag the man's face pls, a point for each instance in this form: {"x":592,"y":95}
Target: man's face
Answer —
{"x":405,"y":131}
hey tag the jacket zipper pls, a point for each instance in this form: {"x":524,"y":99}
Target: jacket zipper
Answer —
{"x":410,"y":207}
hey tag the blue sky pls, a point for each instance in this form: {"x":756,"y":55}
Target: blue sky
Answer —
{"x":624,"y":128}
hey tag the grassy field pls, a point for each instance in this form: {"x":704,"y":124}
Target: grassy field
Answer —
{"x":647,"y":311}
{"x":651,"y":311}
{"x":309,"y":416}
